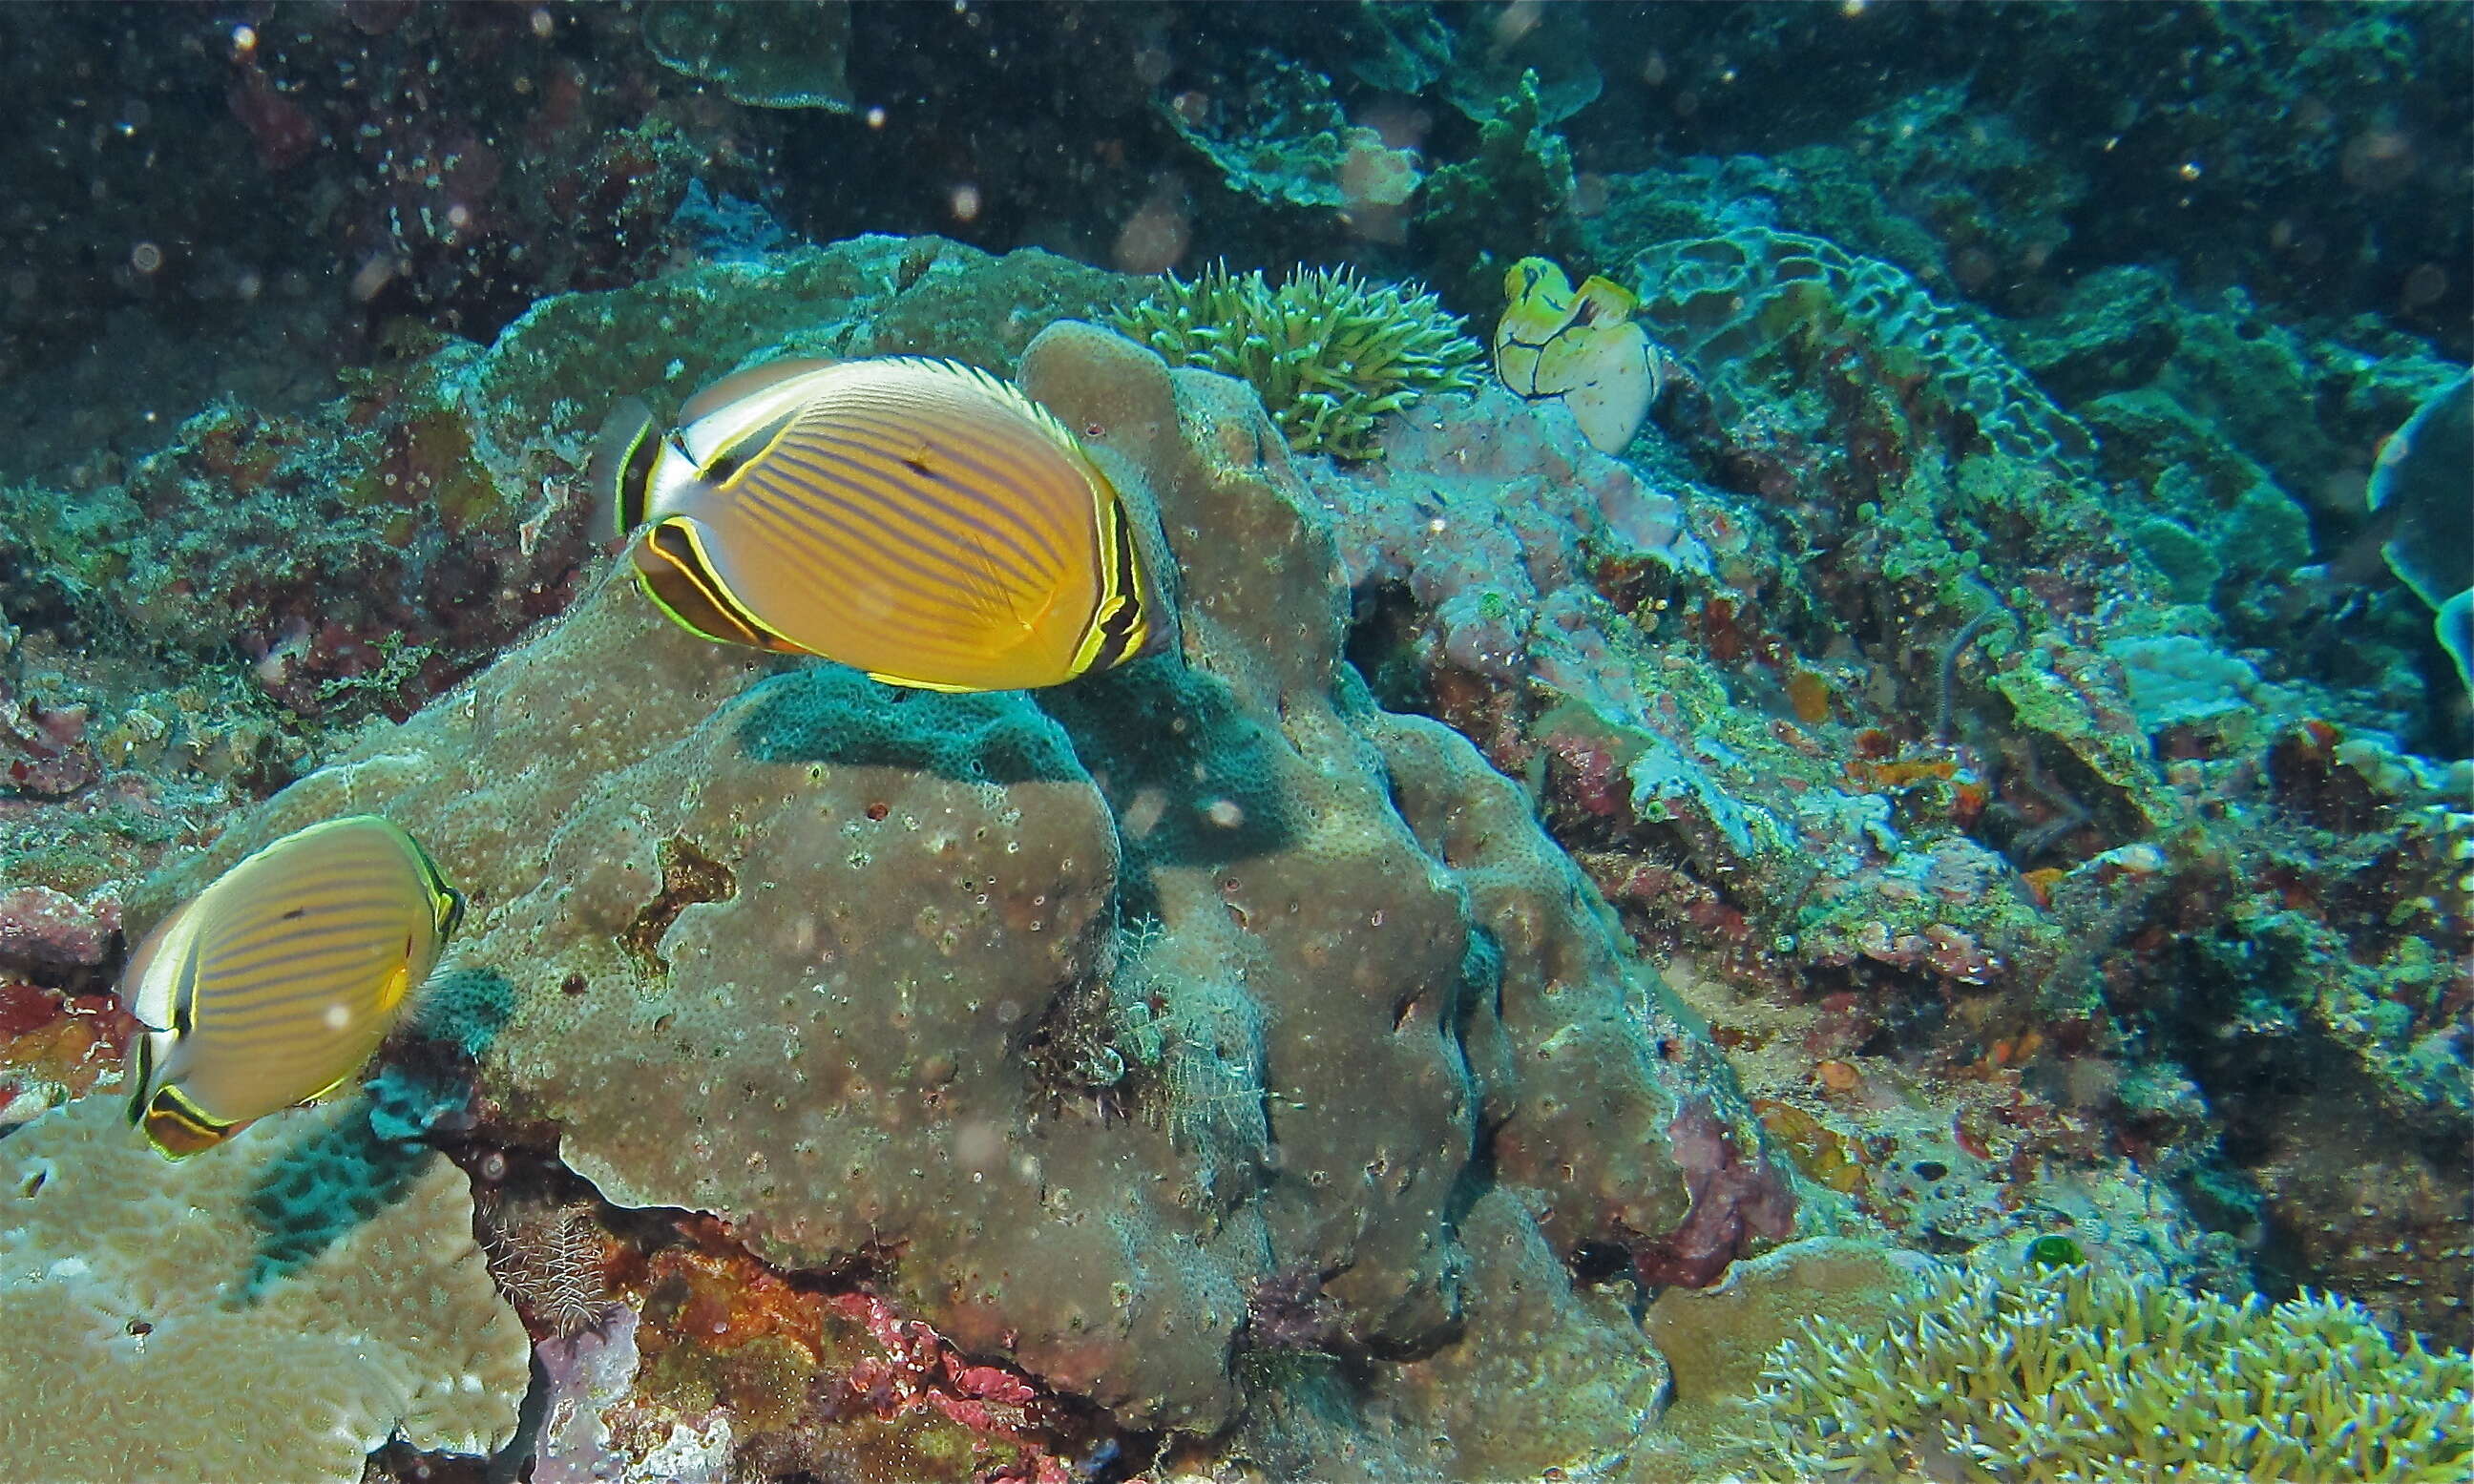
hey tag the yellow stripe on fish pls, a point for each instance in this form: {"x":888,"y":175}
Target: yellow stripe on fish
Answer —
{"x":918,"y":520}
{"x":1580,"y":347}
{"x":275,"y":984}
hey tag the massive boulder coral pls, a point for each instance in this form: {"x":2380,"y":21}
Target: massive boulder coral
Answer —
{"x":1103,"y":1021}
{"x":206,"y":1321}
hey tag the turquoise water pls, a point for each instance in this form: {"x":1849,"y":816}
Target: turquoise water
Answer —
{"x":1726,"y":741}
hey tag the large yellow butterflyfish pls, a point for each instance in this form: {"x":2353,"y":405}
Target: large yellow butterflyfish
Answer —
{"x":919,"y":519}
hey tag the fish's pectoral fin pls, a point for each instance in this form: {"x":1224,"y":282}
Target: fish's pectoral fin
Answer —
{"x":673,"y":568}
{"x":399,"y":983}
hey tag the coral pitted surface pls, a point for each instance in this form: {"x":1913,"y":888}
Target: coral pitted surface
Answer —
{"x":1084,"y":1018}
{"x":125,"y":1279}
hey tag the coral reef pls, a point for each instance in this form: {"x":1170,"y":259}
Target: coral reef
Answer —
{"x":1974,"y":778}
{"x":1931,"y":744}
{"x":354,"y":179}
{"x":1999,"y":733}
{"x":1328,"y":353}
{"x":1513,"y":198}
{"x":2084,"y":1373}
{"x":2170,"y":124}
{"x":1723,"y":303}
{"x":123,"y":1279}
{"x":1347,"y":940}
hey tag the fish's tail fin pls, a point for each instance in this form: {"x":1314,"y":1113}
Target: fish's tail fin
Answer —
{"x":623,"y":469}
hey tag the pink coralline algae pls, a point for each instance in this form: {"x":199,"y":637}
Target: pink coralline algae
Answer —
{"x":50,"y":755}
{"x":920,"y":1368}
{"x":52,"y":932}
{"x":1736,"y":1203}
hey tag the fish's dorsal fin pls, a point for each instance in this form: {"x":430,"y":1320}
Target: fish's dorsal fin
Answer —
{"x":740,"y":384}
{"x":1014,"y":397}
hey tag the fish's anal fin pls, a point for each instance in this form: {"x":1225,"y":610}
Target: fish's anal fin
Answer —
{"x":883,"y":678}
{"x":179,"y":1127}
{"x":327,"y":1091}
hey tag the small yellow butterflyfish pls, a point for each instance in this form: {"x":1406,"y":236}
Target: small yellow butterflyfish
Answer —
{"x":918,"y":520}
{"x":275,"y":984}
{"x":1581,"y":346}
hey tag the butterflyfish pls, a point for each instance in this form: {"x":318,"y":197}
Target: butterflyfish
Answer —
{"x":1581,"y":346}
{"x":276,"y":984}
{"x":918,"y":520}
{"x":2419,"y":491}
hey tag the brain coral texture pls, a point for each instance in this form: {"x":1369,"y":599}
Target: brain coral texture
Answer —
{"x":1100,"y":1019}
{"x":147,"y":1339}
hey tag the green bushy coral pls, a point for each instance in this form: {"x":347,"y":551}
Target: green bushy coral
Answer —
{"x":2077,"y":1374}
{"x":1328,"y":352}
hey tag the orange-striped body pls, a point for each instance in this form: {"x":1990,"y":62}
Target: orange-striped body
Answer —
{"x":278,"y":982}
{"x":918,"y":520}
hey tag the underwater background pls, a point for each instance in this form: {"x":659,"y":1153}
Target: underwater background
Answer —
{"x":1806,"y":808}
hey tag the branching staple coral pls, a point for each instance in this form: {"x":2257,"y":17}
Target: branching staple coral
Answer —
{"x":1328,"y":353}
{"x":2084,"y":1374}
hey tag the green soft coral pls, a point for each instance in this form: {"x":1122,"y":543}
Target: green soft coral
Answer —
{"x":2083,"y":1374}
{"x":1328,"y":352}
